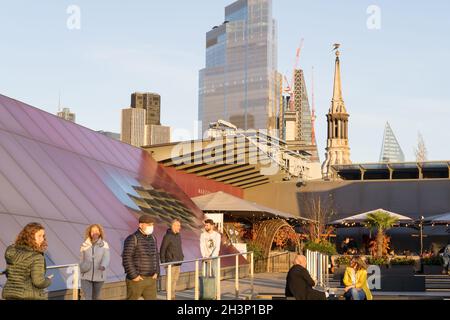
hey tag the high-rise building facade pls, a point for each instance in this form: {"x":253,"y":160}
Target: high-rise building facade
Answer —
{"x":151,"y":102}
{"x":141,"y":123}
{"x":155,"y":134}
{"x":338,"y":149}
{"x":240,"y":83}
{"x":133,"y":126}
{"x":66,"y":115}
{"x":391,"y":150}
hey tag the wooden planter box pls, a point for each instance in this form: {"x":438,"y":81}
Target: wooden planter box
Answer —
{"x":432,"y":269}
{"x":400,"y":278}
{"x":338,"y":273}
{"x":399,"y":270}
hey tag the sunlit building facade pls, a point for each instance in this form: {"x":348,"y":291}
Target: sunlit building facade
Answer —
{"x":240,"y":83}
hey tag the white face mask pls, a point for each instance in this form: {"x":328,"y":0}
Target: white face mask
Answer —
{"x":148,"y":230}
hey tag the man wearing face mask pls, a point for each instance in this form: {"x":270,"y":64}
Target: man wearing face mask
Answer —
{"x":140,"y":259}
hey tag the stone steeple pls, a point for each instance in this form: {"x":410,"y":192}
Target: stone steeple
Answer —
{"x":337,"y":150}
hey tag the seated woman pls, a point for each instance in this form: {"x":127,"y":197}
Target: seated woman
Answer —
{"x":355,"y":281}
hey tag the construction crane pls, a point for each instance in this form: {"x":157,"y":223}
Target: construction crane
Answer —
{"x":290,"y":85}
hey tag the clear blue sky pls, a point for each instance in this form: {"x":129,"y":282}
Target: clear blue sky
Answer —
{"x":399,"y":73}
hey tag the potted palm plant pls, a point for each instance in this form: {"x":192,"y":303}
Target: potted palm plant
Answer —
{"x":392,"y":278}
{"x":381,"y":221}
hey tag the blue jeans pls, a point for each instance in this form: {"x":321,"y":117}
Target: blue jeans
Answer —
{"x":355,"y":294}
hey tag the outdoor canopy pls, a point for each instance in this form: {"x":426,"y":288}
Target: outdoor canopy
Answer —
{"x":441,"y":219}
{"x":359,"y":219}
{"x":226,"y":203}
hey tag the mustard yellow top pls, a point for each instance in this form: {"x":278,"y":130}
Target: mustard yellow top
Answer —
{"x":360,"y":281}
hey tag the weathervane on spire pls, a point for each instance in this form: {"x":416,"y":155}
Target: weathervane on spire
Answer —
{"x":336,"y":47}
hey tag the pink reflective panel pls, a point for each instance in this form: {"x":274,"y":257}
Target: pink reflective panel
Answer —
{"x":114,"y":198}
{"x":43,"y":169}
{"x":89,"y":193}
{"x":77,"y":133}
{"x":10,"y":230}
{"x":127,"y":154}
{"x":29,"y":189}
{"x":11,"y":199}
{"x":52,"y":135}
{"x":125,"y":161}
{"x":94,"y":138}
{"x":83,"y":208}
{"x":70,"y":142}
{"x":7,"y":120}
{"x":92,"y":187}
{"x":24,"y":119}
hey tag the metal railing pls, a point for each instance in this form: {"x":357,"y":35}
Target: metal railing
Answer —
{"x":75,"y":277}
{"x":318,"y":266}
{"x":275,"y":264}
{"x":217,"y":274}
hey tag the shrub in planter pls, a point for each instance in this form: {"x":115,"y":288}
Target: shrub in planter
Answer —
{"x":377,"y":261}
{"x":343,"y":261}
{"x":402,"y":262}
{"x":324,"y":247}
{"x":433,"y":261}
{"x":258,"y":253}
{"x":401,"y":266}
{"x":432,"y":265}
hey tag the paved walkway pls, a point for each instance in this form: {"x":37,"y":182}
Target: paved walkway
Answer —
{"x":273,"y":284}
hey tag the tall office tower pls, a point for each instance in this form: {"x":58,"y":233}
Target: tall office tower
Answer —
{"x":240,"y":83}
{"x":133,"y":126}
{"x":151,"y":102}
{"x":338,"y":149}
{"x":304,"y":132}
{"x":66,"y":115}
{"x":391,"y":150}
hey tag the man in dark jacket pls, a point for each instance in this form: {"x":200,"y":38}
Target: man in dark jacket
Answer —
{"x":140,"y":260}
{"x":299,"y":283}
{"x":172,"y":251}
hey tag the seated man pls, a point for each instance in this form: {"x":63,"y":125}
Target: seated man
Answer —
{"x":299,"y":283}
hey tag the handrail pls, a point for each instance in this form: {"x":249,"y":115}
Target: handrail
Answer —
{"x":205,"y":259}
{"x":217,"y":276}
{"x":63,"y":266}
{"x":75,"y":279}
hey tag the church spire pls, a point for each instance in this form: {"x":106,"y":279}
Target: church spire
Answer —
{"x":338,"y":150}
{"x":337,"y":105}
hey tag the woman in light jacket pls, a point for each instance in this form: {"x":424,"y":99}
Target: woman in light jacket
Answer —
{"x":355,"y":281}
{"x":94,"y":260}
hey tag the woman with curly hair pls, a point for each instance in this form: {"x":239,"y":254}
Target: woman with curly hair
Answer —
{"x":355,"y":281}
{"x":94,"y":260}
{"x":25,"y":262}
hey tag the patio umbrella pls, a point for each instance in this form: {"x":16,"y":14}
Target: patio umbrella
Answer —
{"x":226,"y":203}
{"x":360,"y":219}
{"x":442,"y":219}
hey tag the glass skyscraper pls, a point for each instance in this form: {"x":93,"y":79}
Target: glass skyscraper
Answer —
{"x":240,"y":83}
